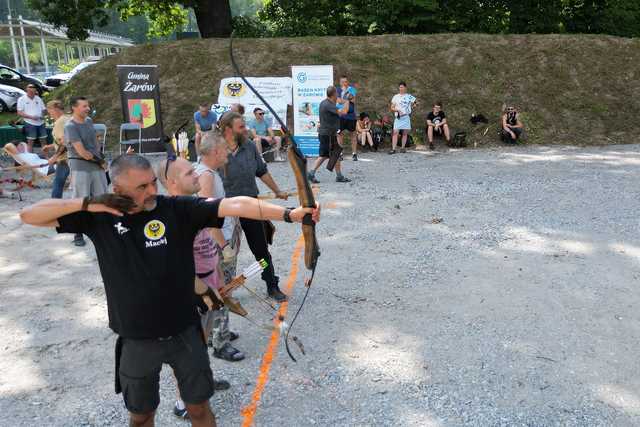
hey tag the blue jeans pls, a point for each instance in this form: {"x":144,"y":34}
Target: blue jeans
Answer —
{"x":62,"y":173}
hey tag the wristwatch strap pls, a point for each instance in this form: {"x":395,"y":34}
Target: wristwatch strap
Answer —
{"x":287,"y":215}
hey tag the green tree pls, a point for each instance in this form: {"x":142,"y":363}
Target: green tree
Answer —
{"x":213,"y":16}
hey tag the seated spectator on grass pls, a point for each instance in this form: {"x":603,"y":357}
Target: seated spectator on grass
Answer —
{"x":204,"y":120}
{"x":262,"y":134}
{"x":512,"y":127}
{"x":363,"y":128}
{"x":238,"y":108}
{"x":437,"y":125}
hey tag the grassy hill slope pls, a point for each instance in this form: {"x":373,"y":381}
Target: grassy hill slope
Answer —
{"x":571,"y":89}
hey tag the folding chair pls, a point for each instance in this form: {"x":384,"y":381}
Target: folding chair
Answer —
{"x":130,"y":127}
{"x":27,"y":162}
{"x":101,"y":133}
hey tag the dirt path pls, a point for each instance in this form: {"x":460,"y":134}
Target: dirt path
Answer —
{"x":495,"y":287}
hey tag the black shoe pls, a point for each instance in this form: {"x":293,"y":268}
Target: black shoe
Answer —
{"x":180,"y":413}
{"x":233,"y":336}
{"x":342,"y":178}
{"x":276,"y":294}
{"x":228,"y":353}
{"x":431,"y":146}
{"x":220,"y":385}
{"x":392,"y":151}
{"x":78,"y":240}
{"x":354,"y":157}
{"x":403,"y":150}
{"x":312,"y":178}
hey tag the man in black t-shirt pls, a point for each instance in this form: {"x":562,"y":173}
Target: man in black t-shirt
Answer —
{"x":144,"y":246}
{"x":437,"y":124}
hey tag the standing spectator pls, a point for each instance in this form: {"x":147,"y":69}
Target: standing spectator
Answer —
{"x":363,"y":127}
{"x":213,"y":156}
{"x":31,"y":108}
{"x":261,"y":132}
{"x":85,"y":161}
{"x":437,"y":124}
{"x":347,"y":93}
{"x":204,"y":119}
{"x":239,"y":175}
{"x":401,"y":104}
{"x":512,"y":127}
{"x":60,"y":157}
{"x":327,"y":134}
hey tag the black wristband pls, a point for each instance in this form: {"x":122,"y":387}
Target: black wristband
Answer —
{"x":287,"y":215}
{"x":85,"y":203}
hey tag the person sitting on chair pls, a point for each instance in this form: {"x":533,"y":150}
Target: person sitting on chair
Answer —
{"x":437,"y":124}
{"x":204,"y":120}
{"x":262,"y":134}
{"x":512,"y":127}
{"x":363,"y":127}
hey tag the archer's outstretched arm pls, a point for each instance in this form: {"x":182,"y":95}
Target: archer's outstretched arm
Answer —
{"x":248,"y":207}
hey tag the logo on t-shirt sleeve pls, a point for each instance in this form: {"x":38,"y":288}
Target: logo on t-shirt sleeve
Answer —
{"x":154,"y":231}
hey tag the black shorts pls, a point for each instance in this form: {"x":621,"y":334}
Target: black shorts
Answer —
{"x":347,"y":124}
{"x":141,"y":361}
{"x":264,"y":143}
{"x":327,"y":143}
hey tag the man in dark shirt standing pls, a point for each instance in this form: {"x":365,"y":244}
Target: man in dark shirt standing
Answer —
{"x":239,"y":175}
{"x":144,"y":246}
{"x":328,"y":134}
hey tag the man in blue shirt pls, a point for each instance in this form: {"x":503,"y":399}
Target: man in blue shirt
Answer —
{"x":262,"y":134}
{"x":348,"y":121}
{"x":204,"y":120}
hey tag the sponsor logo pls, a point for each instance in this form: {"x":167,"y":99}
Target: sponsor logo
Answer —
{"x":121,"y":229}
{"x":302,"y":77}
{"x":234,"y":89}
{"x":142,"y":111}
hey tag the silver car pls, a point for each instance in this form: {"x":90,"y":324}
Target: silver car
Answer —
{"x":9,"y":97}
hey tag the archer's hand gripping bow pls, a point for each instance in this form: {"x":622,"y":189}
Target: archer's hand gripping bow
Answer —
{"x":298,"y":163}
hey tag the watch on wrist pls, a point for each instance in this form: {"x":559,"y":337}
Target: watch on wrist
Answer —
{"x":287,"y":215}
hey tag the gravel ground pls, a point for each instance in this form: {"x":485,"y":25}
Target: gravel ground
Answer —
{"x":478,"y":287}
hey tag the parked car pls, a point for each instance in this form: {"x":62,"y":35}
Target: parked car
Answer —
{"x":9,"y":97}
{"x":60,"y":79}
{"x":11,"y":77}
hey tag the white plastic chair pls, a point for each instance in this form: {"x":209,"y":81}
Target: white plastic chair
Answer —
{"x":101,"y":130}
{"x":130,"y":127}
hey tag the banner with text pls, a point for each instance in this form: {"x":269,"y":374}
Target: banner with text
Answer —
{"x":310,"y":84}
{"x":140,"y":96}
{"x":276,"y":90}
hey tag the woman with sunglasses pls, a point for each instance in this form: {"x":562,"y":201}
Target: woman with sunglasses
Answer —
{"x":512,"y":127}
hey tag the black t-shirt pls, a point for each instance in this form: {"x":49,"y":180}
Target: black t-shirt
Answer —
{"x":436,"y":118}
{"x":146,"y":262}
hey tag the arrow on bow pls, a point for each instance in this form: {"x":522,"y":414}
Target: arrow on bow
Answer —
{"x":298,"y":163}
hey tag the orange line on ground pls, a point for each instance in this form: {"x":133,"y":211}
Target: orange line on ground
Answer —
{"x":248,"y":412}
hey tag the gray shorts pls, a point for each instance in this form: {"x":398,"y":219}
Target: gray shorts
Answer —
{"x":88,"y":183}
{"x":140,"y":363}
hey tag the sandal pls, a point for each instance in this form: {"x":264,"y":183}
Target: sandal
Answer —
{"x":228,"y":353}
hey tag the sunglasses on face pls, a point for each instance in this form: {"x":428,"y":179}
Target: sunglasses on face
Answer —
{"x":260,"y":114}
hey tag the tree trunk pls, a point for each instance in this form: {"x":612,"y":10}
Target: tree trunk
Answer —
{"x":214,"y":18}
